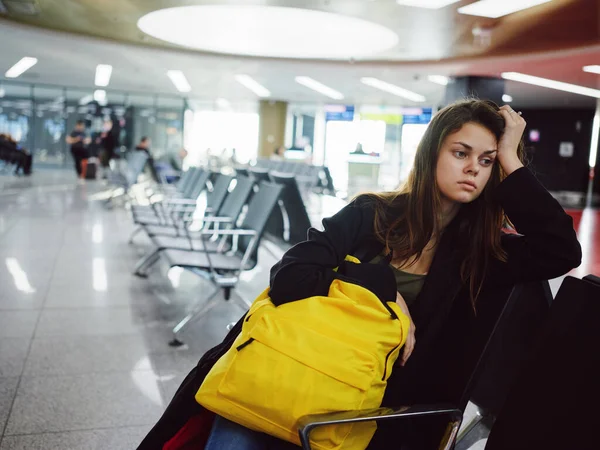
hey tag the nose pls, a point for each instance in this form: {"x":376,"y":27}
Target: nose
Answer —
{"x":471,"y":168}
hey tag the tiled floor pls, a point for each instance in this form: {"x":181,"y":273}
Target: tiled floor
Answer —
{"x":84,"y":360}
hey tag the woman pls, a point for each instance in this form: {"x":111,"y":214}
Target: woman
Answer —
{"x":452,"y":264}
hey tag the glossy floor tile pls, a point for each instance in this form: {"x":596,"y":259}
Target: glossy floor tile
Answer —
{"x":124,"y":438}
{"x":84,"y":402}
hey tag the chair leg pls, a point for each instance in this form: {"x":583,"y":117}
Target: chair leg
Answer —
{"x":199,"y":310}
{"x":134,"y":233}
{"x":142,"y":266}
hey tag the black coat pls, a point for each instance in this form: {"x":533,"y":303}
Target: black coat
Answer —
{"x":450,"y":335}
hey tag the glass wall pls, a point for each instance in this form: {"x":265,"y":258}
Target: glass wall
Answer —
{"x":221,"y":132}
{"x":39,"y":117}
{"x":366,"y":147}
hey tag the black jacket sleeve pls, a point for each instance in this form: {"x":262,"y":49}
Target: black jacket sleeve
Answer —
{"x":307,"y":268}
{"x":546,"y":246}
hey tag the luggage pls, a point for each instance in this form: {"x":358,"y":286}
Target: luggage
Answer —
{"x":315,"y":355}
{"x":89,"y":168}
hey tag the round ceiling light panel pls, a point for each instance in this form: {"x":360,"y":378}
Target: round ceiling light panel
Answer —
{"x":269,"y":31}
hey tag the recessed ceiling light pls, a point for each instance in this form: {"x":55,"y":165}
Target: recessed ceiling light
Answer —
{"x":551,"y":84}
{"x":429,"y":4}
{"x":320,"y":88}
{"x":495,"y":8}
{"x":179,"y":80}
{"x":100,"y":95}
{"x":24,"y":64}
{"x":103,"y":73}
{"x":392,"y":89}
{"x":507,"y":98}
{"x":269,"y":31}
{"x":250,"y":83}
{"x":439,"y":79}
{"x":592,"y":69}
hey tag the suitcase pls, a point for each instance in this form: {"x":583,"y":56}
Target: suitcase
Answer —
{"x":89,"y":173}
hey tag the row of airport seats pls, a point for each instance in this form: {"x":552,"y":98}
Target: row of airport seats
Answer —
{"x":289,"y":221}
{"x":210,"y":224}
{"x":123,"y":174}
{"x":310,"y":178}
{"x":536,"y":381}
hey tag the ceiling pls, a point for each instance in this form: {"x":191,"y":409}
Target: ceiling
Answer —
{"x":552,"y":41}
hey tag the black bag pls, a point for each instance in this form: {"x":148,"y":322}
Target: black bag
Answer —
{"x":90,"y":172}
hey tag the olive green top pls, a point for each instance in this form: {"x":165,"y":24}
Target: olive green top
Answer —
{"x":408,"y":284}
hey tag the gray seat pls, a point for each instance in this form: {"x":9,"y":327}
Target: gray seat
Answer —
{"x":223,"y":270}
{"x":121,"y":179}
{"x":166,"y":213}
{"x":178,"y":236}
{"x":182,"y":190}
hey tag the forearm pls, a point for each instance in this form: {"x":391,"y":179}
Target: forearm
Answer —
{"x":510,"y":164}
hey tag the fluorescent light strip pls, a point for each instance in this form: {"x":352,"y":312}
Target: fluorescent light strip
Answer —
{"x":250,"y":83}
{"x":438,"y":79}
{"x":498,"y":8}
{"x":103,"y":73}
{"x":320,"y":88}
{"x":392,"y":89}
{"x":551,"y":84}
{"x":595,"y":133}
{"x":23,"y":65}
{"x":592,"y":69}
{"x":179,"y":80}
{"x":428,"y":4}
{"x":507,"y":98}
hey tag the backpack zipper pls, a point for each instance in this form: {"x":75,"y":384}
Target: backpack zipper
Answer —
{"x":387,"y":357}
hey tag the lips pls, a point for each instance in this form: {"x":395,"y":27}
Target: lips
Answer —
{"x":468,"y":184}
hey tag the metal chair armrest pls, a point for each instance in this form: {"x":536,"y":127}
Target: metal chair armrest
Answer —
{"x":308,"y":423}
{"x":222,"y":219}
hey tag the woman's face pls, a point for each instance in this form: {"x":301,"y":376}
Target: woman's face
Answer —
{"x":465,"y":163}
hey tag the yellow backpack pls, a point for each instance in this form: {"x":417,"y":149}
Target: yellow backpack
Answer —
{"x":312,"y":356}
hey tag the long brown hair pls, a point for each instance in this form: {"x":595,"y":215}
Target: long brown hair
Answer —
{"x":408,"y":233}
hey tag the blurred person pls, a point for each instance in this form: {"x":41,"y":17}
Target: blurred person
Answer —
{"x":177,"y":159}
{"x":20,"y":156}
{"x":78,"y":140}
{"x":108,"y":144}
{"x":439,"y":248}
{"x":278,"y":154}
{"x":144,"y":146}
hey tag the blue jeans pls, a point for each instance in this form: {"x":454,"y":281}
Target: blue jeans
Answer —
{"x":227,"y":435}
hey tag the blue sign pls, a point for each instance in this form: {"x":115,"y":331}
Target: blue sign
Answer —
{"x":343,"y":113}
{"x":424,"y":116}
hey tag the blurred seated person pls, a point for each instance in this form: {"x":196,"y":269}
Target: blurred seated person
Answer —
{"x":278,"y":154}
{"x":144,"y":146}
{"x":18,"y":155}
{"x":176,"y":159}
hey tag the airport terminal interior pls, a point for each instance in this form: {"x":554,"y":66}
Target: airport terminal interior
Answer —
{"x":157,"y":159}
